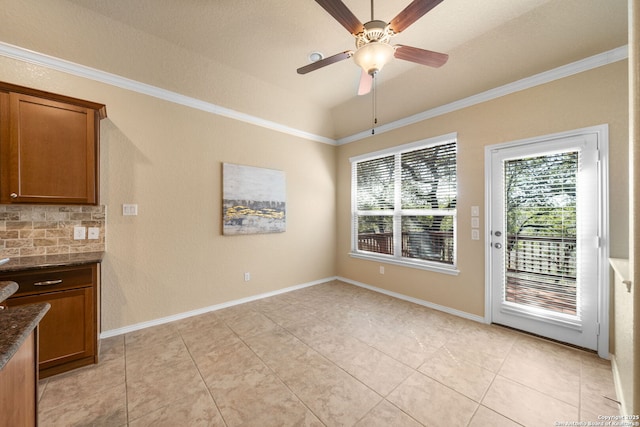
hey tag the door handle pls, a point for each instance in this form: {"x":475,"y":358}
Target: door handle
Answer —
{"x":497,"y":245}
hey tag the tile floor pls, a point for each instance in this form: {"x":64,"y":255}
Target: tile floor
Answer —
{"x":332,"y":354}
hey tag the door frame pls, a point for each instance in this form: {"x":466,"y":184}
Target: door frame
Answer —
{"x":602,"y":135}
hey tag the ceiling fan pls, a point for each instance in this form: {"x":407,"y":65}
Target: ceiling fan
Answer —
{"x":373,"y":50}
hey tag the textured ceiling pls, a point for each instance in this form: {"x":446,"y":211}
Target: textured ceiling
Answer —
{"x":490,"y":43}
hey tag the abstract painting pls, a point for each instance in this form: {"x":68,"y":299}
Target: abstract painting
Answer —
{"x":253,"y":200}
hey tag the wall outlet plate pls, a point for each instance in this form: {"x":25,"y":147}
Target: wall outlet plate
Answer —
{"x":79,"y":233}
{"x":94,"y":233}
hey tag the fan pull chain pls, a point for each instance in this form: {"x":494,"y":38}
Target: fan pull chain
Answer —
{"x":374,"y":99}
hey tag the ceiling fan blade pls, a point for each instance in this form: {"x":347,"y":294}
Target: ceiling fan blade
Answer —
{"x":366,"y":82}
{"x":324,"y":62}
{"x":411,"y":13}
{"x":421,"y":56}
{"x":342,"y":14}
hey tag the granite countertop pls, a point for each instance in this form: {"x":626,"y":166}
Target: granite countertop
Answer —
{"x":43,"y":261}
{"x":16,"y":323}
{"x":7,"y":289}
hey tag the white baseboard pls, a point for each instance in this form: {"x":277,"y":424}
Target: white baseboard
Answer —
{"x":180,"y":316}
{"x":618,"y":386}
{"x":424,"y":303}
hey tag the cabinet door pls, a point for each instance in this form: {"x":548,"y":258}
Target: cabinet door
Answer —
{"x":51,"y":154}
{"x":67,"y":330}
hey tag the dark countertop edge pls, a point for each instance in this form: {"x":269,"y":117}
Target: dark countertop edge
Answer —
{"x":17,"y":323}
{"x":7,"y":289}
{"x":44,"y":261}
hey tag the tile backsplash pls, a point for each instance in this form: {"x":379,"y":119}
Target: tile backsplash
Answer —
{"x":44,"y":230}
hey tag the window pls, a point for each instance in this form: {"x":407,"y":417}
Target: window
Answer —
{"x":404,"y":204}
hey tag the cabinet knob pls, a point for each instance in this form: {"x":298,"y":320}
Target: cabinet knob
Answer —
{"x":13,"y":195}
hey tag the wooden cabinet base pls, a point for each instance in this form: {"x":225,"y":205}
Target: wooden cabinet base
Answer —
{"x":74,"y":364}
{"x":69,"y":331}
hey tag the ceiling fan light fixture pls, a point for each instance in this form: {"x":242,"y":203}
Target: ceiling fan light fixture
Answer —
{"x":373,"y":56}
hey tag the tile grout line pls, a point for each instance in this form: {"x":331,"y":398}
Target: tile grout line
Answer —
{"x":282,"y":381}
{"x":497,"y":373}
{"x":382,"y":398}
{"x":195,"y":364}
{"x":284,"y":328}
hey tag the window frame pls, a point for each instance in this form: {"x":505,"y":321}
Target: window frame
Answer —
{"x":397,"y":214}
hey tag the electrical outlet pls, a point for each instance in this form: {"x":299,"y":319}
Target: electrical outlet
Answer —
{"x":475,"y":234}
{"x":247,"y":276}
{"x":94,"y":233}
{"x":79,"y":233}
{"x":382,"y":269}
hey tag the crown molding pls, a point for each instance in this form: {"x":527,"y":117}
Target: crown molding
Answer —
{"x":68,"y":67}
{"x":595,"y":61}
{"x":599,"y":60}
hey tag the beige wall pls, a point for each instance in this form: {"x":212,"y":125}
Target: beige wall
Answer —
{"x":591,"y":98}
{"x":167,"y":158}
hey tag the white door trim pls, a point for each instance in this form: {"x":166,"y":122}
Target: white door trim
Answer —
{"x":602,"y":132}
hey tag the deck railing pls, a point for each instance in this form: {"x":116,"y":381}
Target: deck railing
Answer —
{"x":427,"y":245}
{"x":541,"y":272}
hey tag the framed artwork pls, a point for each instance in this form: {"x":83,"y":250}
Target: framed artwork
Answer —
{"x":253,"y":200}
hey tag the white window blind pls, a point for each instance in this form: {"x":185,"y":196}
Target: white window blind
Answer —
{"x":404,"y":206}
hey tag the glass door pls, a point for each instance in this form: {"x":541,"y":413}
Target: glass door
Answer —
{"x":545,"y":238}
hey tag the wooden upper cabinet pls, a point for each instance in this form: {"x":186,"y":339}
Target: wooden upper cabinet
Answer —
{"x":49,"y":148}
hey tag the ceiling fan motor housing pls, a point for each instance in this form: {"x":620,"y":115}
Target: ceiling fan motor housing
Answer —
{"x":374,"y":31}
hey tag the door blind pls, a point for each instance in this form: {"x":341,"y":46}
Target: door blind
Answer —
{"x":541,"y":238}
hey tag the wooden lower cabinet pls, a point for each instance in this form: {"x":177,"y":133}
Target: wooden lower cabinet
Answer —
{"x":68,"y":333}
{"x":19,"y":386}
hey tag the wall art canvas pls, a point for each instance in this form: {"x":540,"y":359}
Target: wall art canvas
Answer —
{"x":254,"y":200}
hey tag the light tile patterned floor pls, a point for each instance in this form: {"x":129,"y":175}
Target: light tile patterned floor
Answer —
{"x":332,"y":354}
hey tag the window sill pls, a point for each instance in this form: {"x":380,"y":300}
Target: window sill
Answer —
{"x":437,"y":268}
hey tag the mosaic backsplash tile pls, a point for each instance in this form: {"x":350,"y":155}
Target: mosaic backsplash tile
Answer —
{"x":44,"y":230}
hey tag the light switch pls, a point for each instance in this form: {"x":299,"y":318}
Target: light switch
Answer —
{"x":475,"y":222}
{"x":475,"y":210}
{"x":129,"y":209}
